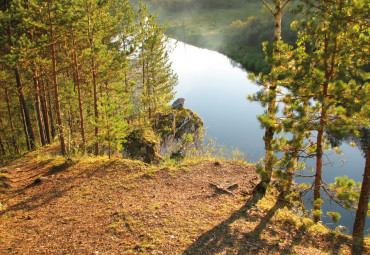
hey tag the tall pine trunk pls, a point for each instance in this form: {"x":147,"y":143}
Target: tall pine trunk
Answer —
{"x":318,"y":176}
{"x":271,"y":107}
{"x":329,"y":69}
{"x":361,"y":213}
{"x":79,"y":97}
{"x":52,"y":123}
{"x":26,"y":116}
{"x":37,"y":90}
{"x":2,"y":146}
{"x":93,"y":71}
{"x":56,"y":93}
{"x":28,"y":142}
{"x":44,"y":109}
{"x":16,"y":149}
{"x":319,"y":163}
{"x":30,"y":137}
{"x":2,"y":128}
{"x":38,"y":106}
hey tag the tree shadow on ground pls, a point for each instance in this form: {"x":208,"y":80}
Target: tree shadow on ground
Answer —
{"x":37,"y":165}
{"x":223,"y":239}
{"x":37,"y":178}
{"x":358,"y":247}
{"x":60,"y":186}
{"x":221,"y":236}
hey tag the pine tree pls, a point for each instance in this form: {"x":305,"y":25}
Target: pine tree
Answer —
{"x":267,"y":97}
{"x":363,"y":204}
{"x":30,"y":46}
{"x":4,"y":84}
{"x":158,"y":80}
{"x":324,"y":72}
{"x":76,"y":26}
{"x":78,"y":54}
{"x":12,"y":31}
{"x":52,"y":10}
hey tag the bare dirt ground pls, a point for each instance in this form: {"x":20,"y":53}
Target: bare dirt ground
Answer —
{"x":101,"y":206}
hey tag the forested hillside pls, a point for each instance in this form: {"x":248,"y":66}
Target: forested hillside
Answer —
{"x":81,"y":72}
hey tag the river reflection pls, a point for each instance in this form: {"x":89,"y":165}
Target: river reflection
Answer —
{"x":216,"y":90}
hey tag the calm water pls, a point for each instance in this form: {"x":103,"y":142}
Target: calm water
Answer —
{"x":216,"y":90}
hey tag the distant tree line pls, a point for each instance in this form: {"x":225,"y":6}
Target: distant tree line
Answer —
{"x":82,"y":72}
{"x":241,"y":40}
{"x":181,"y":5}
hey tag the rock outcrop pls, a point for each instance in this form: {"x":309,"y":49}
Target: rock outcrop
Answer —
{"x":179,"y":130}
{"x":172,"y":134}
{"x":142,"y":144}
{"x":179,"y":104}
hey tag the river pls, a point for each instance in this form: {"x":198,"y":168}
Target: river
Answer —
{"x":216,"y":90}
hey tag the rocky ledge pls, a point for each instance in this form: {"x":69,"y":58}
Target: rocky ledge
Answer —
{"x":173,"y":134}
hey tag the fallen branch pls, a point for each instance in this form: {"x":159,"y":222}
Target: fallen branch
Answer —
{"x":225,"y":188}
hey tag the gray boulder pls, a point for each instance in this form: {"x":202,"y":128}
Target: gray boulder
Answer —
{"x":178,"y":104}
{"x":180,"y":130}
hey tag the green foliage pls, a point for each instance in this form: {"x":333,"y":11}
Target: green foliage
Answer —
{"x":112,"y":122}
{"x":335,"y":216}
{"x":157,"y":78}
{"x":268,"y":97}
{"x":316,"y":213}
{"x":346,"y":190}
{"x":318,"y":201}
{"x":99,"y":48}
{"x":324,"y":90}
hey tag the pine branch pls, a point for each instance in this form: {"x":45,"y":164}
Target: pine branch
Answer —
{"x":308,"y":189}
{"x":285,"y":4}
{"x":366,"y":21}
{"x":268,"y":7}
{"x":305,"y":176}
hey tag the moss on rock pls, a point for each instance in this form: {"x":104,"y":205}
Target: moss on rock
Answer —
{"x":142,"y":144}
{"x":170,"y":135}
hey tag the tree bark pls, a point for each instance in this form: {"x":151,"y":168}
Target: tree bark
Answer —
{"x":28,"y":142}
{"x":329,"y":69}
{"x":37,"y":91}
{"x":56,"y":93}
{"x":26,"y":115}
{"x":44,"y":108}
{"x":22,"y":101}
{"x":361,"y":213}
{"x":5,"y":135}
{"x":16,"y":149}
{"x":271,"y":108}
{"x":278,"y":17}
{"x":318,"y":175}
{"x":2,"y":146}
{"x":38,"y":107}
{"x":52,"y":123}
{"x":93,"y":71}
{"x":319,"y":149}
{"x":79,"y":97}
